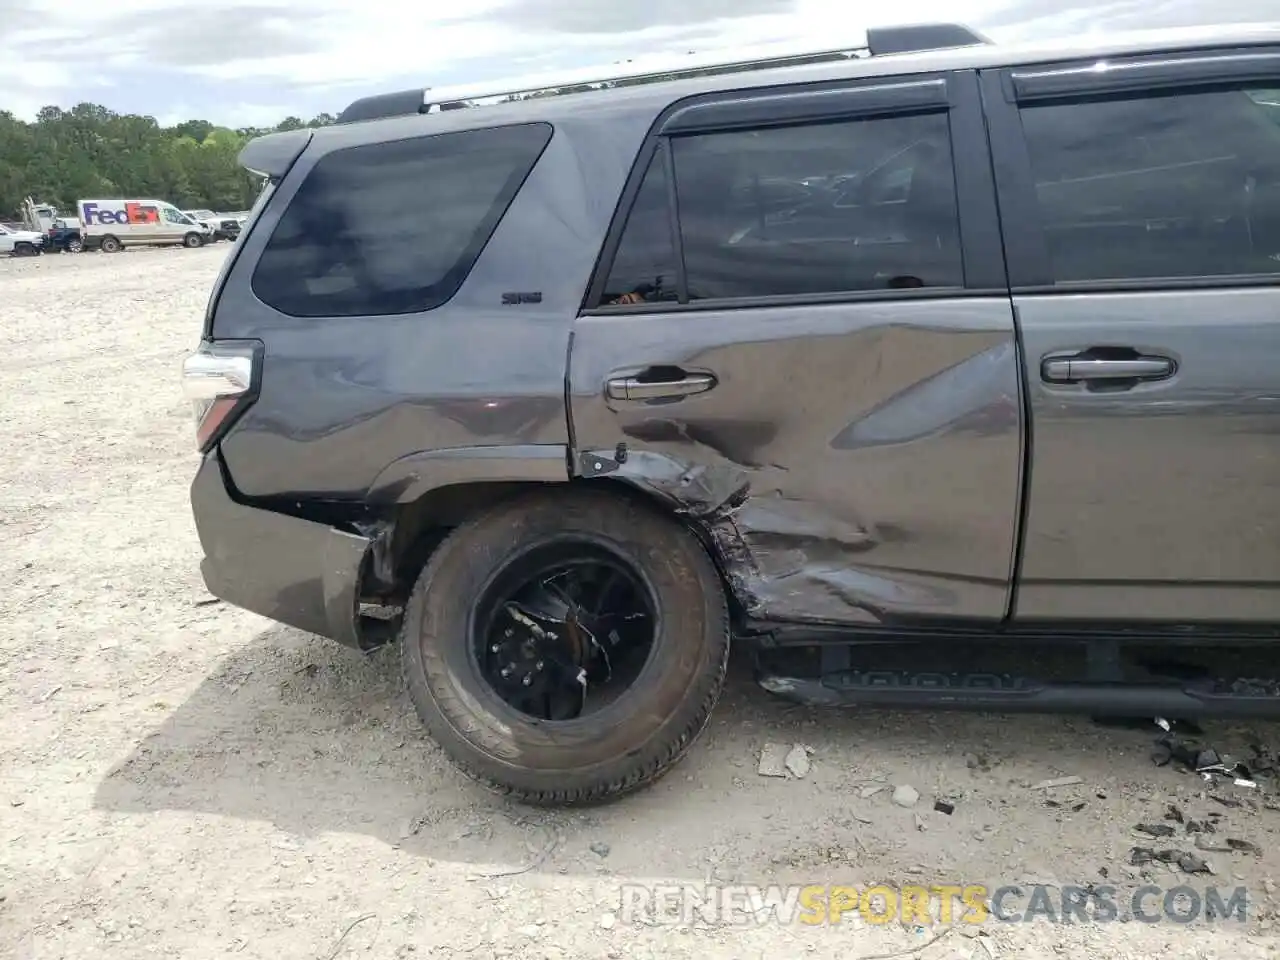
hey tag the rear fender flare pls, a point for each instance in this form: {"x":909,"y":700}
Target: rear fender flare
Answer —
{"x":413,"y":476}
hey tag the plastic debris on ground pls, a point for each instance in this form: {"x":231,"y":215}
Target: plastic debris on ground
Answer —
{"x":1057,"y":782}
{"x":1186,"y":861}
{"x":1189,"y":727}
{"x":1205,"y":761}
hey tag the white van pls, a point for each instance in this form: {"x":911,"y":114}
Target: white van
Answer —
{"x":112,"y":224}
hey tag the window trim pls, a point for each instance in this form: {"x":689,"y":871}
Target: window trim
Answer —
{"x":673,"y":221}
{"x":1006,"y":91}
{"x":723,"y":304}
{"x":481,"y":237}
{"x":757,"y":111}
{"x":1143,"y":73}
{"x":954,"y":94}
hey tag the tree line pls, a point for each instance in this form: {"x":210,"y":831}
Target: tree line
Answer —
{"x":91,"y":151}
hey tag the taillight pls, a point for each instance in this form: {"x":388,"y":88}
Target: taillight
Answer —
{"x":221,"y":379}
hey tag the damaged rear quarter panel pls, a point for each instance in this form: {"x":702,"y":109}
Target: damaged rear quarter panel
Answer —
{"x":856,"y":463}
{"x":344,"y":397}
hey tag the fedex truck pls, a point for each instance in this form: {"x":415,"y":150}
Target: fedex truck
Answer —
{"x":115,"y":223}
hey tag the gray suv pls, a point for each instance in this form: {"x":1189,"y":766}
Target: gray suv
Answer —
{"x":866,"y":358}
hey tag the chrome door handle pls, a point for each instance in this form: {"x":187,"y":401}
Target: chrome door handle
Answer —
{"x":635,"y":388}
{"x":1081,"y":369}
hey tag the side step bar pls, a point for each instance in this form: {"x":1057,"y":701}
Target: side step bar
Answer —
{"x":1002,"y":693}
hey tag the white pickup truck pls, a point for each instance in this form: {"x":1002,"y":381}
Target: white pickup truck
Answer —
{"x":20,"y":243}
{"x":224,"y":226}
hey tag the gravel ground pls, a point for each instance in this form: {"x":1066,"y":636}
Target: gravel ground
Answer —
{"x":182,"y":779}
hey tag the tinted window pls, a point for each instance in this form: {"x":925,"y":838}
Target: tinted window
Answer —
{"x":644,"y":267}
{"x":1179,"y":185}
{"x":823,"y":208}
{"x":394,"y":227}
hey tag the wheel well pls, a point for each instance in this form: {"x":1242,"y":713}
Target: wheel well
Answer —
{"x":419,"y":527}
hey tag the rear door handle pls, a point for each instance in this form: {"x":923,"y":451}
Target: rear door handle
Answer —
{"x":638,"y":388}
{"x":1083,"y":368}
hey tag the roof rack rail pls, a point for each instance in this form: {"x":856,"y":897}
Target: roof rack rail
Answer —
{"x":632,"y":73}
{"x":880,"y":41}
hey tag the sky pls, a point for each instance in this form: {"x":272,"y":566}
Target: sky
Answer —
{"x":254,"y":62}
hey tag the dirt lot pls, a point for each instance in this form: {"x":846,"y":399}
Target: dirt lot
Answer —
{"x":181,"y":779}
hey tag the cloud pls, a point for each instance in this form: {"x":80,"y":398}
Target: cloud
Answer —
{"x":209,"y":36}
{"x":592,"y":17}
{"x":235,"y":61}
{"x":1032,"y":19}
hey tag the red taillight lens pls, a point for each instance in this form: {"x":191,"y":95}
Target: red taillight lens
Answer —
{"x":221,"y":379}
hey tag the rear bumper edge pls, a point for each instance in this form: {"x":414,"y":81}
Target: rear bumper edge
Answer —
{"x":294,"y":571}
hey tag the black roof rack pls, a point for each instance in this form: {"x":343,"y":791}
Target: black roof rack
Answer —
{"x":399,"y":104}
{"x":920,"y":37}
{"x":881,"y":41}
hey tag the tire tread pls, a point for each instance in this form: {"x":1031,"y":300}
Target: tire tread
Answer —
{"x":651,"y":762}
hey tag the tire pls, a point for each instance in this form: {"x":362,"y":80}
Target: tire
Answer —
{"x":75,"y":246}
{"x":631,"y":742}
{"x":192,"y":240}
{"x":24,"y":250}
{"x":111,"y":245}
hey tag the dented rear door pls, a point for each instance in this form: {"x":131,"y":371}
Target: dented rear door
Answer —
{"x":814,"y":359}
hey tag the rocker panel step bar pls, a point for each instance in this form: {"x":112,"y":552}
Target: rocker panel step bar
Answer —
{"x":1002,"y":693}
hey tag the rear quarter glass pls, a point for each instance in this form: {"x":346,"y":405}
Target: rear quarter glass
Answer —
{"x":394,"y":227}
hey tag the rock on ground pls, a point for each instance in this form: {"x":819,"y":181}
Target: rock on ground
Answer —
{"x":905,"y":796}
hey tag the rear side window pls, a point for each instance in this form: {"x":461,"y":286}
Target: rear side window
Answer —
{"x":1169,"y":186}
{"x":810,"y":209}
{"x":394,"y":227}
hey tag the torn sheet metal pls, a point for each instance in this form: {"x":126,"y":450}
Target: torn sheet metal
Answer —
{"x":783,"y":558}
{"x":380,"y":575}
